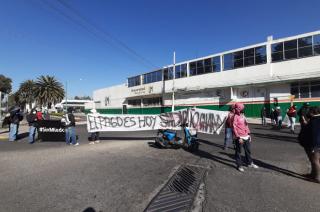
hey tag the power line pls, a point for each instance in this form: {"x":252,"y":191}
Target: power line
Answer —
{"x":120,"y":45}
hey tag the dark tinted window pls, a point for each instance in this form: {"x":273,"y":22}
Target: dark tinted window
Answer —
{"x":183,"y":70}
{"x":167,"y":73}
{"x":193,"y":68}
{"x":238,"y":59}
{"x":277,"y":52}
{"x":134,"y":81}
{"x":260,"y":55}
{"x":216,"y":64}
{"x":200,"y":67}
{"x":305,"y":46}
{"x":290,"y":49}
{"x":316,"y":44}
{"x":228,"y":61}
{"x":152,"y":77}
{"x":208,"y":65}
{"x":249,"y":57}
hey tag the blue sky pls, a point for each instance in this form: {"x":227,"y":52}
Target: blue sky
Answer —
{"x":37,"y":40}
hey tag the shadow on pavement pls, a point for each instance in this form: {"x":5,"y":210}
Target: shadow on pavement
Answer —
{"x":276,"y":137}
{"x":22,"y":135}
{"x":271,"y":167}
{"x":89,"y":209}
{"x":125,"y":138}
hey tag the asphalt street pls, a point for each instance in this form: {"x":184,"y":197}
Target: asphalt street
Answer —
{"x":124,"y":172}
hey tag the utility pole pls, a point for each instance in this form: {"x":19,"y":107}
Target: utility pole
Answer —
{"x":174,"y":73}
{"x":66,"y":97}
{"x":0,"y":106}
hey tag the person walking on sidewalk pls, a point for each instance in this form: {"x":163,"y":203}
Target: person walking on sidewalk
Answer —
{"x":33,"y":124}
{"x":278,"y":117}
{"x":228,"y":128}
{"x":242,"y":137}
{"x":94,"y":136}
{"x":292,"y":113}
{"x":70,"y":128}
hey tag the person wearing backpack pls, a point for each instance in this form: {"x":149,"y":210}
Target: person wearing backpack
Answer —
{"x":33,"y":123}
{"x":292,"y":113}
{"x":70,"y":123}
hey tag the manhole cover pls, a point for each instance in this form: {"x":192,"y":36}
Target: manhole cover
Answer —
{"x":179,"y":192}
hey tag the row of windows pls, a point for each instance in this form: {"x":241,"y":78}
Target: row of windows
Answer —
{"x":134,"y":81}
{"x":292,"y":49}
{"x":244,"y":58}
{"x":146,"y":102}
{"x":297,"y":48}
{"x":306,"y":89}
{"x":208,"y":65}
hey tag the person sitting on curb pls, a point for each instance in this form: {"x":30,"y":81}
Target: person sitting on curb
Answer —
{"x":242,"y":137}
{"x":95,"y":136}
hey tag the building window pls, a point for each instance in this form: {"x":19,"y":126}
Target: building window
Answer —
{"x":216,"y":66}
{"x":249,"y":57}
{"x":152,"y":77}
{"x":238,"y":59}
{"x":200,"y":67}
{"x":277,"y":52}
{"x":305,"y":46}
{"x":152,"y":101}
{"x":168,"y":73}
{"x":134,"y":81}
{"x":181,"y":71}
{"x":228,"y":61}
{"x":290,"y":49}
{"x":134,"y":102}
{"x":315,"y":89}
{"x":260,"y":55}
{"x":316,"y":44}
{"x":295,"y":90}
{"x":208,"y":65}
{"x":193,"y":68}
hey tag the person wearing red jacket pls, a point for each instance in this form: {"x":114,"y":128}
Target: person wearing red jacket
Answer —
{"x":242,"y":137}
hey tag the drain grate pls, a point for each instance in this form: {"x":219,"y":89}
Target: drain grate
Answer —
{"x":179,"y":192}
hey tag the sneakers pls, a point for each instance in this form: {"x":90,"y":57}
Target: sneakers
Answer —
{"x":97,"y":141}
{"x":240,"y":169}
{"x":76,"y":144}
{"x":252,"y":165}
{"x":92,"y":142}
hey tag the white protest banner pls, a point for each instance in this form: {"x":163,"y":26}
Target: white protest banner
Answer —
{"x":205,"y":121}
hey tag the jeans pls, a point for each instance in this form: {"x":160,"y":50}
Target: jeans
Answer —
{"x":292,"y":121}
{"x":279,"y":121}
{"x":228,"y":138}
{"x":263,"y":120}
{"x":13,"y":132}
{"x":32,"y":133}
{"x":247,"y":151}
{"x":71,"y":135}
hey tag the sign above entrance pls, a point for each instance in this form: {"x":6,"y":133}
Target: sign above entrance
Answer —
{"x":143,"y":90}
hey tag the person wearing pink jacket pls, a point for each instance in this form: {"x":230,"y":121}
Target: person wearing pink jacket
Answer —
{"x":242,"y":137}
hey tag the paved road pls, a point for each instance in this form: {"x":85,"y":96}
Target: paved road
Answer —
{"x":123,"y":174}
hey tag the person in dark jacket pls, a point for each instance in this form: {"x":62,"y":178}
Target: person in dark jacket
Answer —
{"x":302,"y":113}
{"x":309,"y":139}
{"x":70,"y":128}
{"x":15,"y":118}
{"x":264,"y":116}
{"x":314,"y":125}
{"x":33,"y":124}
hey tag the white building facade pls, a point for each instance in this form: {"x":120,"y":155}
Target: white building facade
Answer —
{"x":277,"y":72}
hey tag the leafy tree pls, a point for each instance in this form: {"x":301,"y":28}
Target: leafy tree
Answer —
{"x":48,"y":90}
{"x":26,"y":93}
{"x":5,"y":84}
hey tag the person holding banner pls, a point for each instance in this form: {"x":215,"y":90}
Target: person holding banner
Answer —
{"x":95,"y":136}
{"x":242,"y":137}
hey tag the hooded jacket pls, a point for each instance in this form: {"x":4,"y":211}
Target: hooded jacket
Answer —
{"x":240,"y":125}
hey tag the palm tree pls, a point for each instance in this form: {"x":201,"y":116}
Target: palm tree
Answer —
{"x":48,"y":90}
{"x":26,"y":93}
